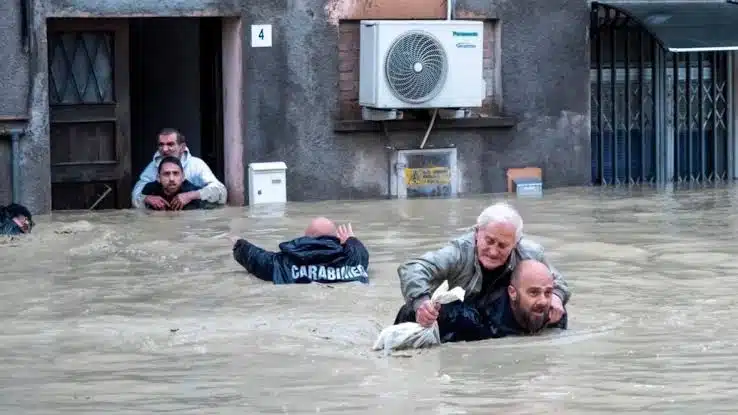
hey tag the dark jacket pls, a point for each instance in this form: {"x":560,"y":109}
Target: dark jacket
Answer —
{"x":9,"y":227}
{"x":458,"y":264}
{"x":306,"y":259}
{"x":156,"y":189}
{"x":464,"y":322}
{"x":7,"y":224}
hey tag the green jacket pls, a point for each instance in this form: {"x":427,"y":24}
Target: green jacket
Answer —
{"x":457,"y":262}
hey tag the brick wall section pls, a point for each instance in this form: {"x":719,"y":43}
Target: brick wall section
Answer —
{"x":490,"y":70}
{"x":348,"y":68}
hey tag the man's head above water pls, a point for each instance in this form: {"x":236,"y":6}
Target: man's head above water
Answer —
{"x":498,"y":229}
{"x":19,"y":214}
{"x":530,"y":291}
{"x":171,"y":142}
{"x":171,"y":174}
{"x":320,"y":227}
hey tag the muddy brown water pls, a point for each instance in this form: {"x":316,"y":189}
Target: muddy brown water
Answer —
{"x":128,"y":312}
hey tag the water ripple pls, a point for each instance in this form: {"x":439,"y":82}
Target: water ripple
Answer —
{"x":128,"y":312}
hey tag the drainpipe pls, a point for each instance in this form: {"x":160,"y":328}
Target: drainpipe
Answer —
{"x":15,"y":162}
{"x":15,"y":131}
{"x":15,"y":136}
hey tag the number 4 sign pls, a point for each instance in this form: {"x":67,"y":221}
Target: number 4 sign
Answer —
{"x":261,"y":36}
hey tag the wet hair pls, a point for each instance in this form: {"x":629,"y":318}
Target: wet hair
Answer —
{"x":170,"y":131}
{"x":14,"y":210}
{"x":170,"y":160}
{"x":502,"y":213}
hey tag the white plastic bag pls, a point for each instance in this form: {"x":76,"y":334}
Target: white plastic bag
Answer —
{"x":413,"y":335}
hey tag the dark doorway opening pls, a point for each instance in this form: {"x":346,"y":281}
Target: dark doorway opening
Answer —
{"x":176,"y":82}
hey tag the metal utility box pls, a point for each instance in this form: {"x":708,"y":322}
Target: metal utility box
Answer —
{"x":424,"y":173}
{"x":528,"y":187}
{"x":267,"y":183}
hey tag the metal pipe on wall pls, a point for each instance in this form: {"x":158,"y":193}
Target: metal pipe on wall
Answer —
{"x":15,"y":163}
{"x":15,"y":135}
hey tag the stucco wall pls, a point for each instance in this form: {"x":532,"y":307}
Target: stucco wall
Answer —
{"x":141,"y":8}
{"x":13,"y":84}
{"x":293,"y":93}
{"x":25,"y":96}
{"x":13,"y":62}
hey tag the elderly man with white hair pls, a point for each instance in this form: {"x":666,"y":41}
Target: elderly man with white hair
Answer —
{"x":481,"y":262}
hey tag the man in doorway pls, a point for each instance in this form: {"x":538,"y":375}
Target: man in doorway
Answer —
{"x":172,"y":188}
{"x":522,"y":308}
{"x":481,"y":262}
{"x":15,"y":220}
{"x":172,"y":144}
{"x":325,"y":254}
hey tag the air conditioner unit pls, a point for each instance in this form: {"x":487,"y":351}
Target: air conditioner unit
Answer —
{"x":406,"y":64}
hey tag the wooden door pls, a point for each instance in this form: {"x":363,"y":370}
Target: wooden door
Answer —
{"x":90,"y":113}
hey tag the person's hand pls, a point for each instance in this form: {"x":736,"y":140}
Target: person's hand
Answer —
{"x":557,"y":309}
{"x":181,"y":200}
{"x":427,"y":313}
{"x":156,"y":202}
{"x":344,"y":232}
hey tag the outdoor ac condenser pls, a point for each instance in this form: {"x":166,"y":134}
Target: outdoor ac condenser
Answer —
{"x":408,"y":64}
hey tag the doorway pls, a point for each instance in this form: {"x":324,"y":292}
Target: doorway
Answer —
{"x":113,"y":84}
{"x":176,"y":82}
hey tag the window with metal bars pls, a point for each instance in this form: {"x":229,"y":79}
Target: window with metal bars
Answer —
{"x":81,"y":68}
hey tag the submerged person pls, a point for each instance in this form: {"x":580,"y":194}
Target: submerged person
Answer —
{"x":172,"y":189}
{"x":325,"y":254}
{"x":520,"y":309}
{"x":172,"y":143}
{"x":481,"y":262}
{"x":15,"y":219}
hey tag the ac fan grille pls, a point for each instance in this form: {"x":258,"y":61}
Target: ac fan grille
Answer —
{"x":416,"y":67}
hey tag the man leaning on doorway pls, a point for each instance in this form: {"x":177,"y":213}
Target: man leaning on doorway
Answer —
{"x":172,"y":143}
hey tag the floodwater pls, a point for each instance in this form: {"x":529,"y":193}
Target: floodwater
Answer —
{"x":128,"y":312}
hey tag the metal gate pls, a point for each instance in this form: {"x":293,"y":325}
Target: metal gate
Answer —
{"x":656,"y":115}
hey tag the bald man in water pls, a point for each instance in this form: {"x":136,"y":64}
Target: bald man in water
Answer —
{"x":325,"y":254}
{"x":521,"y":308}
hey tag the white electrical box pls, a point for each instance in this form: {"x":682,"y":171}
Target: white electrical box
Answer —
{"x":267,"y":183}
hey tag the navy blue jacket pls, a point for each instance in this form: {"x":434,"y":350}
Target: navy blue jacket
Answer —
{"x":466,"y":322}
{"x":306,"y":259}
{"x":156,"y":189}
{"x":9,"y":228}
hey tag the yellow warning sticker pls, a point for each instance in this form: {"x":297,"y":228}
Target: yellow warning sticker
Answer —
{"x":428,"y":176}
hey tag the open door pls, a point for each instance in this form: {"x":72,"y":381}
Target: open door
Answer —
{"x":90,"y":114}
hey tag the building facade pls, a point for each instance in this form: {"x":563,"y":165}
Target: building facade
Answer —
{"x":86,"y":85}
